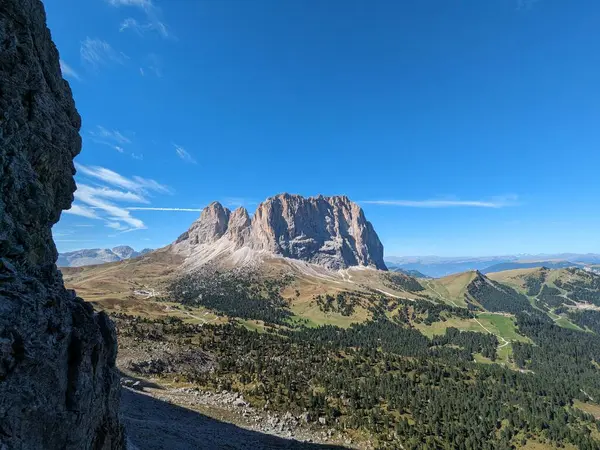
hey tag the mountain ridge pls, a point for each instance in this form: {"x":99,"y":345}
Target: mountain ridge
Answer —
{"x":92,"y":256}
{"x":439,"y":266}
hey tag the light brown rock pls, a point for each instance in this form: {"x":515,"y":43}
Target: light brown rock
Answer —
{"x":329,"y":231}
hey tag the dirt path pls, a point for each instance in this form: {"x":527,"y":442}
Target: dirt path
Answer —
{"x":392,"y":295}
{"x":439,"y":295}
{"x":154,"y":424}
{"x":497,"y":335}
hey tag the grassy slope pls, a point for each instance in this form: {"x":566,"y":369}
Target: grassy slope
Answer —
{"x":112,"y":287}
{"x":450,"y":289}
{"x":502,"y":325}
{"x":516,"y":279}
{"x":588,"y":407}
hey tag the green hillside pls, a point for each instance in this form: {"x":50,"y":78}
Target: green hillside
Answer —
{"x":498,"y":362}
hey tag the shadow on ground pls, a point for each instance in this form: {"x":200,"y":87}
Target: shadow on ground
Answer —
{"x":153,"y":424}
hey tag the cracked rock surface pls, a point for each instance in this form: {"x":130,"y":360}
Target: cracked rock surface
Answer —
{"x":58,"y":383}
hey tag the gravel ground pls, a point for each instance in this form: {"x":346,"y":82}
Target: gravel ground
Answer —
{"x":154,"y":424}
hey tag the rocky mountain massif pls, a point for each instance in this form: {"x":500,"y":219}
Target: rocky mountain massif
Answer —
{"x":88,"y":257}
{"x":328,"y":231}
{"x":58,"y":384}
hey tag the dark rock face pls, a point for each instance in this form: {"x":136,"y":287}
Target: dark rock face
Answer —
{"x":58,"y":384}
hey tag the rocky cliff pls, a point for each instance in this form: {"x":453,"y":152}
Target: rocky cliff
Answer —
{"x":58,"y":385}
{"x":329,"y":231}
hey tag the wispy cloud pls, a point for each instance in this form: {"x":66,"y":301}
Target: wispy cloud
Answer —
{"x":111,"y":194}
{"x":135,"y":184}
{"x":139,"y":3}
{"x":132,"y":24}
{"x":114,"y":136}
{"x":62,"y":233}
{"x":497,"y":202}
{"x":117,"y":226}
{"x":150,"y":208}
{"x":96,"y":53}
{"x":68,"y":71}
{"x":526,"y":4}
{"x":82,"y":211}
{"x":183,"y":154}
{"x":112,"y":213}
{"x":154,"y":64}
{"x":141,"y":28}
{"x":113,"y":139}
{"x":236,"y":202}
{"x":153,"y":15}
{"x":73,"y":240}
{"x":106,"y":202}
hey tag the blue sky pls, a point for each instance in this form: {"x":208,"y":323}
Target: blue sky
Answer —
{"x":462,"y":127}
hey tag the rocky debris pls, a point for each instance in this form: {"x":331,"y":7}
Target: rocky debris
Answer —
{"x":239,"y":402}
{"x":305,"y":417}
{"x":285,"y":425}
{"x":329,"y":231}
{"x":174,"y":419}
{"x":167,"y":360}
{"x":133,"y":384}
{"x":127,"y":382}
{"x":58,"y":383}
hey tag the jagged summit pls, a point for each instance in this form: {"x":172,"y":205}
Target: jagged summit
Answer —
{"x":329,"y":231}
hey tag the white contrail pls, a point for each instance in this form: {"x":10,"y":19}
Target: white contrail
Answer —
{"x":140,"y":208}
{"x":498,"y":202}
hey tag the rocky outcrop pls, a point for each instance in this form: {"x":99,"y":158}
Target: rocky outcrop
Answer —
{"x":58,"y":385}
{"x":238,"y":227}
{"x":210,"y":227}
{"x":124,"y":252}
{"x":329,"y":231}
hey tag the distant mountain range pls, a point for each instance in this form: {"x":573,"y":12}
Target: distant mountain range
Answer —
{"x":410,"y":273}
{"x":437,"y":266}
{"x":528,"y":265}
{"x":88,"y":257}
